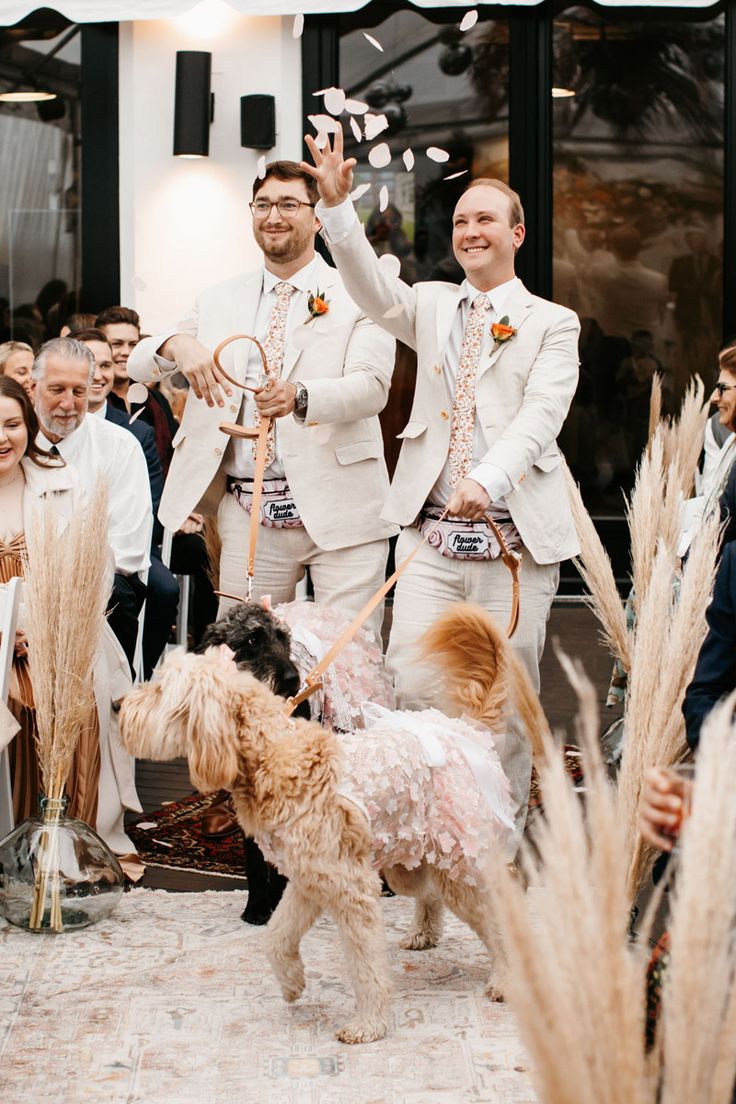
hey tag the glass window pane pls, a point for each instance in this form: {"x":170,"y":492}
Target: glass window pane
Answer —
{"x":438,"y":87}
{"x":638,"y":224}
{"x":40,"y":232}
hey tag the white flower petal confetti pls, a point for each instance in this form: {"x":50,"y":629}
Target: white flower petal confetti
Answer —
{"x":408,"y":159}
{"x":374,"y":125}
{"x":454,"y":176}
{"x":383,"y":198}
{"x":137,"y":393}
{"x":436,"y":154}
{"x":359,"y":191}
{"x":321,"y":140}
{"x":356,"y":107}
{"x":380,"y":156}
{"x":394,"y":312}
{"x":320,"y":92}
{"x":136,"y":415}
{"x":334,"y":101}
{"x":469,"y":20}
{"x":297,"y":26}
{"x":357,"y":132}
{"x":325,"y":124}
{"x":146,"y":824}
{"x":390,"y":262}
{"x":261,"y":167}
{"x":373,"y":41}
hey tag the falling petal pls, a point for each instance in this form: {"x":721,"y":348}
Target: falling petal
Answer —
{"x":298,"y":26}
{"x":436,"y":154}
{"x":356,"y":107}
{"x":454,"y":176}
{"x":324,"y":123}
{"x":357,"y":132}
{"x":138,"y":284}
{"x":469,"y":20}
{"x":380,"y":156}
{"x":373,"y":41}
{"x":389,"y":260}
{"x":408,"y":159}
{"x":321,"y":140}
{"x":136,"y":415}
{"x":395,"y":311}
{"x":356,"y":193}
{"x":320,"y":92}
{"x":334,"y":100}
{"x":137,"y":393}
{"x":383,"y":198}
{"x":261,"y":167}
{"x":374,"y":124}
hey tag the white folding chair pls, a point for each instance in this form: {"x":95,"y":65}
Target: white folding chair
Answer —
{"x":182,"y":612}
{"x":9,"y":605}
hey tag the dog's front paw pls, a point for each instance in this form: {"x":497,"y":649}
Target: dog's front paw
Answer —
{"x":292,"y":986}
{"x":494,"y":991}
{"x":419,"y":941}
{"x":362,"y":1031}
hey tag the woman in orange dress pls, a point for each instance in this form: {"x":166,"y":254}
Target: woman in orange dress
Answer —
{"x":29,"y":479}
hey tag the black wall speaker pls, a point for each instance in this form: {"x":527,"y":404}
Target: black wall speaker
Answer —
{"x":193,"y":107}
{"x":258,"y":122}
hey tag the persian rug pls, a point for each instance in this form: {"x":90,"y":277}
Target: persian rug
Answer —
{"x":170,"y":1001}
{"x":172,"y":837}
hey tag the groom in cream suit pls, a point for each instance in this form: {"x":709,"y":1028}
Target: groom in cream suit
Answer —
{"x":329,"y":371}
{"x":497,"y":370}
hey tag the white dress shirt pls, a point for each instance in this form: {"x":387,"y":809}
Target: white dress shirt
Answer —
{"x":337,"y":222}
{"x":238,"y":460}
{"x":98,"y":449}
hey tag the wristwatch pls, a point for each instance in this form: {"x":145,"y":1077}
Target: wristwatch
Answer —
{"x":301,"y":399}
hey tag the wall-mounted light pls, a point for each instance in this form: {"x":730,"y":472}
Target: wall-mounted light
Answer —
{"x":194,"y":103}
{"x":258,"y":122}
{"x":562,"y":93}
{"x":27,"y":95}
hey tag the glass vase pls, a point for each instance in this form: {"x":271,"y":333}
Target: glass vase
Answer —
{"x":56,"y":874}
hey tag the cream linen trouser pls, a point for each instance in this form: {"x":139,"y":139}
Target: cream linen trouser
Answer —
{"x":344,"y":578}
{"x":432,"y":582}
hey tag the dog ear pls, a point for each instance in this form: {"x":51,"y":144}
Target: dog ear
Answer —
{"x":212,"y":736}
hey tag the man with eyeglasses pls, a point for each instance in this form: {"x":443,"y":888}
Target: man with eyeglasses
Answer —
{"x":328,"y":376}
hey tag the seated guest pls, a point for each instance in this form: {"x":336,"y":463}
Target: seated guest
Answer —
{"x":62,"y":374}
{"x":101,"y":786}
{"x":16,"y":361}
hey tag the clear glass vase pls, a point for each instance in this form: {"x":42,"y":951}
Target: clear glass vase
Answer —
{"x":56,"y":874}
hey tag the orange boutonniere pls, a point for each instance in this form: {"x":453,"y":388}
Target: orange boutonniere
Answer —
{"x":317,"y":304}
{"x":502,"y":331}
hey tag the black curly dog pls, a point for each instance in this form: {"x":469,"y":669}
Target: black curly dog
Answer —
{"x":262,"y":645}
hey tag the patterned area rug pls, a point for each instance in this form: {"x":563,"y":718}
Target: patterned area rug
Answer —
{"x":171,"y":837}
{"x":170,"y":1001}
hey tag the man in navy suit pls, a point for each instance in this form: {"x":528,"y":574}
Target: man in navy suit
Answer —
{"x":162,"y":598}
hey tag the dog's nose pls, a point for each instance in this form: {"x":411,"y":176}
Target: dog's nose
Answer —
{"x":289,"y":681}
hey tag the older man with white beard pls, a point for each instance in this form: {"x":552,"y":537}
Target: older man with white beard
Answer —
{"x":62,"y":373}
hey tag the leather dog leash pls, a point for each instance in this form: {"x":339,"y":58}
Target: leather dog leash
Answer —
{"x":261,"y":435}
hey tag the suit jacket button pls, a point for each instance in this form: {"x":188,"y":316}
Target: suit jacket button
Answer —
{"x":218,"y":452}
{"x":444,"y":415}
{"x":437,"y":368}
{"x":234,"y":408}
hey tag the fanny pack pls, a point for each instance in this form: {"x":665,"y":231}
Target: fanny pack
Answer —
{"x":278,"y":509}
{"x":460,"y":539}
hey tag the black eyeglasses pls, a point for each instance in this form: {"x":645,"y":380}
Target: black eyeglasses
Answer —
{"x":287,"y":208}
{"x":721,"y":388}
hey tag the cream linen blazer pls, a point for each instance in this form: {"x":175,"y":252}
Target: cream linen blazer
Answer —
{"x":523,"y":392}
{"x":334,"y":460}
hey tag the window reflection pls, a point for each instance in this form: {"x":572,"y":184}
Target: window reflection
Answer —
{"x":638,"y":230}
{"x":437,"y":87}
{"x":40,"y":234}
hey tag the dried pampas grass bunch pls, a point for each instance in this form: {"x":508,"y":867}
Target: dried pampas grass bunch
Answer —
{"x":575,"y":983}
{"x":699,"y":1021}
{"x":671,"y":627}
{"x":683,"y":436}
{"x":66,"y":591}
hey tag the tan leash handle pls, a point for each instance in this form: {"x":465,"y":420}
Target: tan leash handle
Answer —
{"x":261,"y":448}
{"x":313,"y":681}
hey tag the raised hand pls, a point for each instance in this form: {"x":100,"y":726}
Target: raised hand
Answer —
{"x":334,"y":175}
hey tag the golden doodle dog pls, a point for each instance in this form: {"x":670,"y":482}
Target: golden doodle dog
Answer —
{"x":419,"y":796}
